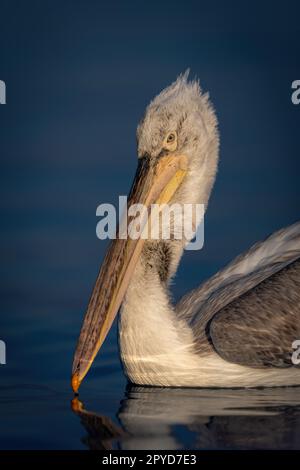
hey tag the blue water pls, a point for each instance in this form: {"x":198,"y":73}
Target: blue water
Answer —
{"x":36,"y":417}
{"x":78,"y":77}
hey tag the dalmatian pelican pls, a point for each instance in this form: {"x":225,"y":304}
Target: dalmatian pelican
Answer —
{"x":237,"y":328}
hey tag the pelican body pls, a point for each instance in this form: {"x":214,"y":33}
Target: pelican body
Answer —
{"x":237,"y":328}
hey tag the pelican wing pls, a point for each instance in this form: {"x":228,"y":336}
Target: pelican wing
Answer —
{"x":259,"y":328}
{"x":252,"y":303}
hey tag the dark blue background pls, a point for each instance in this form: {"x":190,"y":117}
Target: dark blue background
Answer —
{"x":78,"y":76}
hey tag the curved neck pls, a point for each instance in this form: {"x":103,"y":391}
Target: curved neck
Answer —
{"x":147,"y":307}
{"x":150,"y":334}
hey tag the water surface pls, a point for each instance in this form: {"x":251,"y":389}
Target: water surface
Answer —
{"x":79,"y":75}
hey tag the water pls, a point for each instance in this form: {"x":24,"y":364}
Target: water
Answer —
{"x":76,"y":88}
{"x":150,"y":418}
{"x":160,"y":418}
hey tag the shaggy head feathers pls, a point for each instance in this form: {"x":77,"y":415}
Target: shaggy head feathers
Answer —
{"x":181,"y":107}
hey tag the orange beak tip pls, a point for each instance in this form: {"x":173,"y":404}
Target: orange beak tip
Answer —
{"x":75,"y":382}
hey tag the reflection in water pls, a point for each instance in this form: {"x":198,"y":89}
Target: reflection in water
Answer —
{"x":162,"y":418}
{"x":102,"y":432}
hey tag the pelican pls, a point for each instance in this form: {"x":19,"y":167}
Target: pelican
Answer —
{"x":237,"y":329}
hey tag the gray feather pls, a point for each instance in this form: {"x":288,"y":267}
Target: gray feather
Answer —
{"x":258,"y":328}
{"x":240,"y":277}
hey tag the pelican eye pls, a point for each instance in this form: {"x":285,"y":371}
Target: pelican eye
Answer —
{"x":170,"y":142}
{"x":170,"y":138}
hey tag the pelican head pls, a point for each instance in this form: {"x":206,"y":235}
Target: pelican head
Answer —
{"x":180,"y":121}
{"x":177,"y":145}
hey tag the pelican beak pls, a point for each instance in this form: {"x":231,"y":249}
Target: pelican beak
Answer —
{"x":155,"y":182}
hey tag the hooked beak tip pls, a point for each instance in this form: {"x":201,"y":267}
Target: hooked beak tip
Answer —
{"x":75,"y":382}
